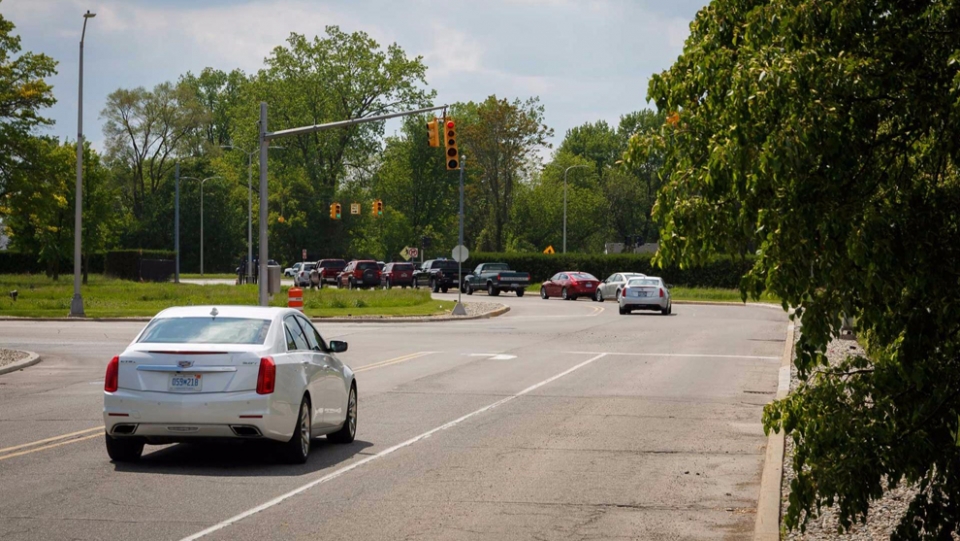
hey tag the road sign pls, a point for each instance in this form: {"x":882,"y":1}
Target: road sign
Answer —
{"x":354,"y":208}
{"x":304,"y":254}
{"x":549,"y":250}
{"x":414,"y":252}
{"x":461,"y":254}
{"x":405,"y":253}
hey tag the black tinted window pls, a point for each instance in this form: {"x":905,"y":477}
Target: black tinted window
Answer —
{"x":445,"y":265}
{"x":402,"y":266}
{"x":368,"y":266}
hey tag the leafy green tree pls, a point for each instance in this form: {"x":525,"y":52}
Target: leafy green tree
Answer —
{"x":219,"y":93}
{"x":597,"y":142}
{"x":825,"y":132}
{"x":23,"y":93}
{"x":500,"y":139}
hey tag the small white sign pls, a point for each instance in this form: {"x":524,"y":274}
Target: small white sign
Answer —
{"x":354,"y":208}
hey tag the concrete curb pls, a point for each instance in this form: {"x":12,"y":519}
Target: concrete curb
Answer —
{"x":383,"y":319}
{"x":732,"y":303}
{"x":32,"y":359}
{"x":767,"y":527}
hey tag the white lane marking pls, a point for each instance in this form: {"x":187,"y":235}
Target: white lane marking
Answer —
{"x":707,"y":355}
{"x":381,"y":454}
{"x":494,"y":356}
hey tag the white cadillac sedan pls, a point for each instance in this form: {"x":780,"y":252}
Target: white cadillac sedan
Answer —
{"x":647,"y":293}
{"x":228,"y":372}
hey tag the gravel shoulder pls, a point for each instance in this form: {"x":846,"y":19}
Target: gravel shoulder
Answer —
{"x":884,"y":514}
{"x":10,"y":356}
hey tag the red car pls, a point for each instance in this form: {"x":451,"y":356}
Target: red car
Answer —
{"x":397,"y":274}
{"x":569,"y":286}
{"x":328,"y":270}
{"x":360,"y":273}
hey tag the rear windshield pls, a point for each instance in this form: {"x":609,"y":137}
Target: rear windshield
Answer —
{"x":643,"y":282}
{"x":496,"y":267}
{"x":368,"y":266}
{"x":582,"y":276}
{"x":446,"y":264}
{"x":206,"y":330}
{"x":402,"y":267}
{"x":333,"y":263}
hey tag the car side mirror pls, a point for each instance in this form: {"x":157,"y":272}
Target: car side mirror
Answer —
{"x":338,"y":346}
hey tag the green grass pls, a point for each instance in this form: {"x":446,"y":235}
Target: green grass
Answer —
{"x":697,"y":294}
{"x":40,"y":296}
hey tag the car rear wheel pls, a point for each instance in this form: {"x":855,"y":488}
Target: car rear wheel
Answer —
{"x":297,"y":449}
{"x":124,"y":449}
{"x":348,"y":431}
{"x":624,"y":310}
{"x":563,"y":294}
{"x":520,"y":292}
{"x":492,"y":291}
{"x":666,"y":311}
{"x":468,"y":289}
{"x":444,"y":289}
{"x":543,"y":293}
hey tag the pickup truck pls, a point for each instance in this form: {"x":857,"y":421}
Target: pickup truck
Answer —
{"x":438,"y":275}
{"x":494,"y":278}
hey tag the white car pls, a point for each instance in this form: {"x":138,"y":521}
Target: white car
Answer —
{"x":613,"y":285}
{"x":302,"y":277}
{"x":292,"y":271}
{"x":647,"y":293}
{"x":228,"y":372}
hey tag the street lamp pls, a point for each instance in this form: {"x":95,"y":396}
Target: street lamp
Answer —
{"x":76,"y":304}
{"x":565,"y":203}
{"x":249,"y":205}
{"x":201,"y":216}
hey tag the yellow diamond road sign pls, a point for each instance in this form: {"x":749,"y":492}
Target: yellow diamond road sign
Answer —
{"x":405,"y":253}
{"x":549,"y":250}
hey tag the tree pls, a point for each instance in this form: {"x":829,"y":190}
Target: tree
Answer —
{"x":825,"y":132}
{"x":145,"y":131}
{"x":500,"y":140}
{"x":23,"y":93}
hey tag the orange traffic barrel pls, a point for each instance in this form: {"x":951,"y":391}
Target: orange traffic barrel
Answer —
{"x":295,"y":298}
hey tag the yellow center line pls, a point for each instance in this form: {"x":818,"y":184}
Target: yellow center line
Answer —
{"x":38,"y":442}
{"x":45,"y":447}
{"x":396,"y":360}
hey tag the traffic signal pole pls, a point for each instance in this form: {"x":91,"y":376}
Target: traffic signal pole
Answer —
{"x":266,"y":137}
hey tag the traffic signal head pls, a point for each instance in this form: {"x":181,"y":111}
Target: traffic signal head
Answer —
{"x":433,"y":130}
{"x":337,"y":208}
{"x":333,"y":211}
{"x":450,"y":143}
{"x":379,"y":207}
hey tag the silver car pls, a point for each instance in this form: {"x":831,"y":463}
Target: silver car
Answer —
{"x":648,"y":293}
{"x":611,"y":287}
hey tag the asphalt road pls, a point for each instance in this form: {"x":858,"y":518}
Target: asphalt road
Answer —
{"x":559,"y":420}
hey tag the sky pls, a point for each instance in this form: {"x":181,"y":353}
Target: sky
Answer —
{"x":586,"y":60}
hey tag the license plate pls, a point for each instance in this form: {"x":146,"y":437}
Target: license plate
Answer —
{"x":589,"y":286}
{"x":185,"y":383}
{"x":404,"y":275}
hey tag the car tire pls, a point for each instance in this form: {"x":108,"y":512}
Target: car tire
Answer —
{"x":444,"y":289}
{"x":469,"y":289}
{"x":543,"y":293}
{"x":624,"y":311}
{"x":297,"y":449}
{"x":492,"y":291}
{"x":520,"y":292}
{"x":666,"y":311}
{"x":348,"y":432}
{"x":124,"y":449}
{"x":618,"y":295}
{"x":564,"y":295}
{"x":598,"y":296}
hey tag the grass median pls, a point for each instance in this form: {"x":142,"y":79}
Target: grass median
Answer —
{"x":39,"y":296}
{"x":706,"y":294}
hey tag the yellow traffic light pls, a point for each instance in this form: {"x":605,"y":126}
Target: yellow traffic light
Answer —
{"x":434,"y":133}
{"x":333,"y":211}
{"x":450,"y":143}
{"x":378,"y":208}
{"x":337,"y":207}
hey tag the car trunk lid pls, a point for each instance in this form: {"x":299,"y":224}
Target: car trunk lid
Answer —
{"x":187,"y":368}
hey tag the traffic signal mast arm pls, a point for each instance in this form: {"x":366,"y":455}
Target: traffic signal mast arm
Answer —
{"x":344,"y":123}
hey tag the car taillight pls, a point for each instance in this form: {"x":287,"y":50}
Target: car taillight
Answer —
{"x":267,"y":378}
{"x":498,"y":276}
{"x":112,"y":379}
{"x":661,"y":292}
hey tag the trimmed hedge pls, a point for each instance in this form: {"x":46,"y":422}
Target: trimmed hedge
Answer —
{"x":723,"y":272}
{"x":22,"y":263}
{"x":125,"y":264}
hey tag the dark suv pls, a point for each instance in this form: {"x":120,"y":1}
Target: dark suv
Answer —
{"x":328,"y":270}
{"x":438,"y":275}
{"x":397,"y":274}
{"x":360,"y":273}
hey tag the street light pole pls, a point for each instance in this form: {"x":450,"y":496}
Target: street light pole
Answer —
{"x":76,"y":304}
{"x":202,"y":182}
{"x":565,"y":203}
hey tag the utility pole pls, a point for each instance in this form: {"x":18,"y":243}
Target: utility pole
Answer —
{"x":176,"y":227}
{"x":76,"y":304}
{"x":459,"y":310}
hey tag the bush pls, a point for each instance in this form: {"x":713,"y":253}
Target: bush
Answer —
{"x":24,"y":263}
{"x":125,"y":264}
{"x":722,"y":272}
